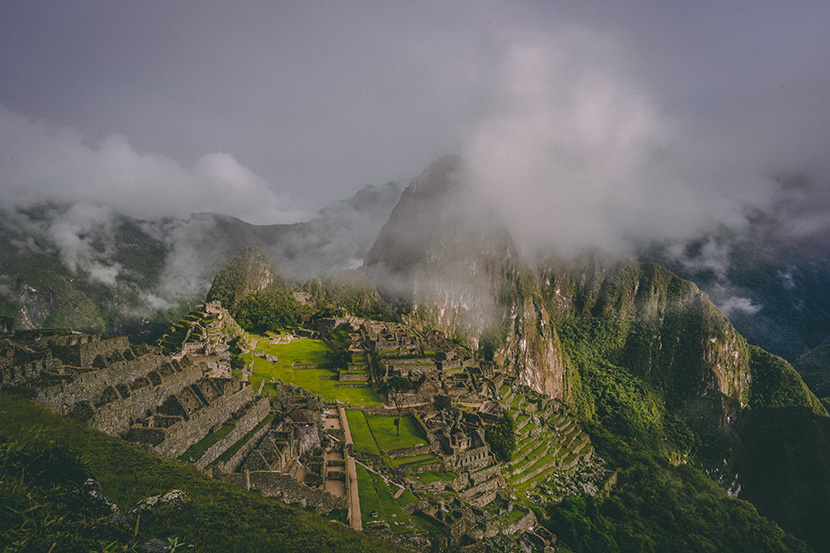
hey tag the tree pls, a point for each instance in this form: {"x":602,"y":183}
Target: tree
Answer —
{"x":502,"y":437}
{"x":396,"y":386}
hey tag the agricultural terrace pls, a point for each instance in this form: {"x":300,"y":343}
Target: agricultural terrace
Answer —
{"x":307,"y":352}
{"x":362,"y":437}
{"x":377,"y":498}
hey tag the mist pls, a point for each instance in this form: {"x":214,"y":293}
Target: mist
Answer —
{"x":662,"y":131}
{"x":579,"y":155}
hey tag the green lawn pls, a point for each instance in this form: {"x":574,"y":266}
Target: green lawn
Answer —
{"x":437,"y":476}
{"x":361,"y":435}
{"x":412,"y":461}
{"x":375,"y":495}
{"x":304,"y":351}
{"x":363,"y":395}
{"x":386,"y":434}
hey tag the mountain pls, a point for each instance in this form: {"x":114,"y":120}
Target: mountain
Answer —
{"x":814,"y":367}
{"x":445,"y":251}
{"x":774,"y":285}
{"x":351,"y":292}
{"x":245,"y":274}
{"x":628,"y":345}
{"x":89,"y":268}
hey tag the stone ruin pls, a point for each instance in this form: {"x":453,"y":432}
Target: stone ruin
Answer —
{"x":303,"y":457}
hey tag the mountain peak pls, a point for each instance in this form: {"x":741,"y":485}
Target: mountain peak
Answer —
{"x":247,"y":273}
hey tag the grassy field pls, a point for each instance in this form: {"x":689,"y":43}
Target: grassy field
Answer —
{"x":436,"y":476}
{"x":386,"y":434}
{"x":361,"y":435}
{"x":303,"y":351}
{"x":44,"y":513}
{"x":375,"y":495}
{"x":415,"y":460}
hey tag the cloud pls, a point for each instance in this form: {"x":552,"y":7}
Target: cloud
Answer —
{"x":44,"y":163}
{"x":83,"y":236}
{"x":733,"y":304}
{"x":578,"y":154}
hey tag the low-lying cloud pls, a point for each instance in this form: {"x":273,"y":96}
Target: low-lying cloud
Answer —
{"x":579,"y":154}
{"x":42,"y":163}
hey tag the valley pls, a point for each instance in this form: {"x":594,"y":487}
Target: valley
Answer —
{"x":453,"y":394}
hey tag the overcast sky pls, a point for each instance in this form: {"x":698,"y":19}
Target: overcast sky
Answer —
{"x":269,"y":110}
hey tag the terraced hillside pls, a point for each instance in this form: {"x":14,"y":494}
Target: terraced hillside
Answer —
{"x":549,"y":445}
{"x":203,"y":329}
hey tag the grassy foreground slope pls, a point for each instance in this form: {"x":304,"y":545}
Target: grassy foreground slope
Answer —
{"x":44,"y":459}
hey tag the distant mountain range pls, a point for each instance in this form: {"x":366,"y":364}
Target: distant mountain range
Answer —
{"x":87,"y":267}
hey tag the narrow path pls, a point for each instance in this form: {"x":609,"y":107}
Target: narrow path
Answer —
{"x":355,"y":519}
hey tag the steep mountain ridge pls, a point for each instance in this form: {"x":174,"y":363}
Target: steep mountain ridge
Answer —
{"x":627,"y":344}
{"x":462,"y":274}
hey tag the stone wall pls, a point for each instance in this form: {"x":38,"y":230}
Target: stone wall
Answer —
{"x":115,"y":417}
{"x":392,"y":412}
{"x":522,"y":525}
{"x":482,"y":475}
{"x":183,"y":434}
{"x":346,"y":376}
{"x":408,"y":451}
{"x":477,"y":457}
{"x":277,"y":484}
{"x":86,"y":349}
{"x":91,"y":385}
{"x":252,"y":416}
{"x":234,"y":462}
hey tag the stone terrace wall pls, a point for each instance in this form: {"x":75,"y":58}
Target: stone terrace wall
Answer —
{"x":222,"y":469}
{"x":522,"y":525}
{"x":89,"y":386}
{"x":84,"y":352}
{"x":277,"y":484}
{"x":116,"y":417}
{"x":183,"y":434}
{"x":408,"y":451}
{"x":258,"y":411}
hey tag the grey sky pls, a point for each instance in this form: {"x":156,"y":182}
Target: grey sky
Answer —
{"x":161,"y":107}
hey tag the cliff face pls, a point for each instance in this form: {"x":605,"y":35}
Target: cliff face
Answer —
{"x":446,"y":252}
{"x":533,"y":347}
